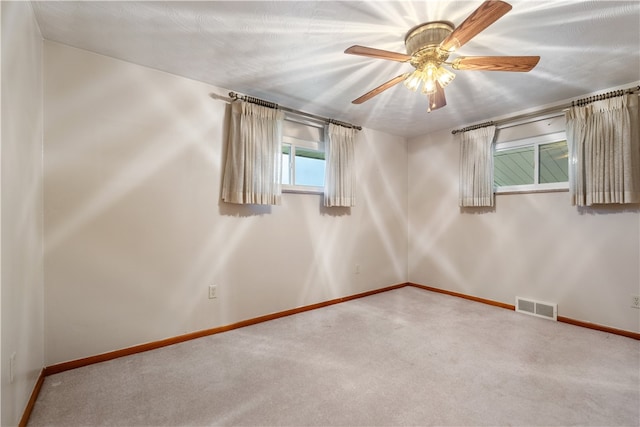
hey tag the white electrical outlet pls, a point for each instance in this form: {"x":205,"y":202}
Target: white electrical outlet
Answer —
{"x":12,"y":367}
{"x":357,"y":269}
{"x":212,"y":292}
{"x":635,"y":301}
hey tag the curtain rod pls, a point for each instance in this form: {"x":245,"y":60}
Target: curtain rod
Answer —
{"x":600,"y":97}
{"x":233,"y":96}
{"x":557,"y":109}
{"x":473,"y":127}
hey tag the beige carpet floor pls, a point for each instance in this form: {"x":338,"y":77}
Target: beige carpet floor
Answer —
{"x":403,"y":357}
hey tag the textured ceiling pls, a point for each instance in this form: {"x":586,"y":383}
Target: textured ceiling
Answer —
{"x":291,"y":52}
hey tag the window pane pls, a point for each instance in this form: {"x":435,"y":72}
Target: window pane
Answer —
{"x":514,"y":166}
{"x":309,"y":167}
{"x":554,"y":162}
{"x":286,"y":167}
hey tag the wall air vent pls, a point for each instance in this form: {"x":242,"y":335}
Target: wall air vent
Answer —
{"x":537,"y":308}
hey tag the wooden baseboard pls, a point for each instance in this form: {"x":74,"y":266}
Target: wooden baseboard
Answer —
{"x":32,"y":400}
{"x":73,"y":364}
{"x":61,"y":367}
{"x":629,"y":334}
{"x":469,"y":297}
{"x":65,"y":366}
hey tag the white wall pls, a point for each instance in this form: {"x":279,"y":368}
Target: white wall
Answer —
{"x":530,"y":245}
{"x":21,"y":202}
{"x":135,"y":231}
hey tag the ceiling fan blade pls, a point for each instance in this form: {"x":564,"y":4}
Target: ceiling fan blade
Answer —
{"x":437,"y":100}
{"x":377,"y":53}
{"x":384,"y":86}
{"x":488,"y":13}
{"x":495,"y":63}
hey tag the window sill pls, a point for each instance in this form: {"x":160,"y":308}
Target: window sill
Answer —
{"x":511,"y":192}
{"x":302,"y":190}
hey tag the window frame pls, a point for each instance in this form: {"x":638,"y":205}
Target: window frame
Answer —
{"x":303,"y":143}
{"x":535,"y":142}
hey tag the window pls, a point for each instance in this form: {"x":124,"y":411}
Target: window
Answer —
{"x":532,"y":164}
{"x":303,"y":157}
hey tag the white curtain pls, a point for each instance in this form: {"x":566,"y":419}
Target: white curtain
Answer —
{"x":476,"y":167}
{"x":340,"y":174}
{"x":604,"y":152}
{"x":253,"y":171}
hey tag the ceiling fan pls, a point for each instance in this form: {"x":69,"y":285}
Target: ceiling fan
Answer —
{"x":429,"y":46}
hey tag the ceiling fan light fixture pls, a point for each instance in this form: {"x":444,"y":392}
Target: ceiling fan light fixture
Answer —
{"x":428,"y":76}
{"x":444,"y":76}
{"x":429,"y":46}
{"x":430,"y":71}
{"x":413,"y":81}
{"x":429,"y":87}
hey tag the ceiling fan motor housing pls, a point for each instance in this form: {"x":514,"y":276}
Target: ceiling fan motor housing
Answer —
{"x":427,"y":35}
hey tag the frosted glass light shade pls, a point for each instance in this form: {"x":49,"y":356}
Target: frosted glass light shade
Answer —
{"x":413,"y":81}
{"x":444,"y":76}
